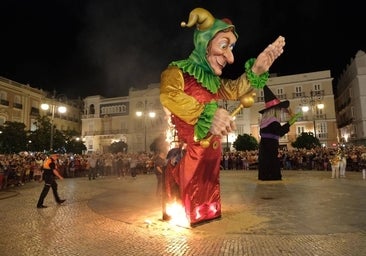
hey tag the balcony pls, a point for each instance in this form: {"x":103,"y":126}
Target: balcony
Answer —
{"x":107,"y":132}
{"x":282,"y":96}
{"x":4,"y":102}
{"x":89,"y":116}
{"x":320,"y":117}
{"x":34,"y":111}
{"x":322,"y":135}
{"x":260,"y":99}
{"x":297,"y":95}
{"x":17,"y":105}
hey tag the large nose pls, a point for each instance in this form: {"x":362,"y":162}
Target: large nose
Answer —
{"x":229,"y":56}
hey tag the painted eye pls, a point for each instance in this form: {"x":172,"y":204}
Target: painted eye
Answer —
{"x":224,"y":45}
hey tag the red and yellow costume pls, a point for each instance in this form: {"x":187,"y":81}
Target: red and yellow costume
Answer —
{"x":190,"y":90}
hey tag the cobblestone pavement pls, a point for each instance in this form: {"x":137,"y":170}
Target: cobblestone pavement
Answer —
{"x":307,"y":213}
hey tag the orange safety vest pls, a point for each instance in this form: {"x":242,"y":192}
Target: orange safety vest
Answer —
{"x":46,"y":164}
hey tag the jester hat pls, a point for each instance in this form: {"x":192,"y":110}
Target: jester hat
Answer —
{"x":206,"y":29}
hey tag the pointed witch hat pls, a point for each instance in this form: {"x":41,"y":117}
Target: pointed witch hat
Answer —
{"x":271,"y":101}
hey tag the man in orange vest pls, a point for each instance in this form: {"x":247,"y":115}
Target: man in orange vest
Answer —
{"x":50,"y":173}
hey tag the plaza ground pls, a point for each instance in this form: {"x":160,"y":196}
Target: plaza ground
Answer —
{"x":307,"y":213}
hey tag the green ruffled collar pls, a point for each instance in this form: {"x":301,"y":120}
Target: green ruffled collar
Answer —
{"x":198,"y":67}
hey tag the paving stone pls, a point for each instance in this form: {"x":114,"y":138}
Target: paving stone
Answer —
{"x":307,"y":213}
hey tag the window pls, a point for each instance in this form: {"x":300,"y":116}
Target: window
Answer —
{"x":91,"y":109}
{"x":4,"y":98}
{"x":316,"y":87}
{"x":300,"y":129}
{"x":298,"y":92}
{"x":2,"y":120}
{"x":281,"y":94}
{"x":321,"y":130}
{"x":260,"y":98}
{"x":3,"y":95}
{"x":17,"y":102}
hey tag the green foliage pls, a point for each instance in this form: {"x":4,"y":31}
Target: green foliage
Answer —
{"x":13,"y":137}
{"x":41,"y":136}
{"x":245,"y":142}
{"x":72,"y":142}
{"x":306,"y":140}
{"x":119,"y":146}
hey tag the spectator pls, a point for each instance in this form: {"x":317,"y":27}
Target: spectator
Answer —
{"x":159,"y":164}
{"x":92,"y":160}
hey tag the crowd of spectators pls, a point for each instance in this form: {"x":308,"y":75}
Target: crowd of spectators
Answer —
{"x":18,"y":169}
{"x":297,"y":159}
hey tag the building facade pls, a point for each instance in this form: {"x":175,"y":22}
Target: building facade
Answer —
{"x":308,"y":89}
{"x":22,"y":103}
{"x":108,"y":120}
{"x":310,"y":93}
{"x":351,"y":101}
{"x":102,"y":121}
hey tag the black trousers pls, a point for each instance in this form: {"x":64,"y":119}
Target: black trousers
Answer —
{"x":45,"y":190}
{"x":92,"y":173}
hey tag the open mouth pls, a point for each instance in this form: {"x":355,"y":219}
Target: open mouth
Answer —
{"x":222,"y":65}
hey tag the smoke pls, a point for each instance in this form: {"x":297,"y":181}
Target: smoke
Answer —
{"x":159,"y":145}
{"x":129,"y":45}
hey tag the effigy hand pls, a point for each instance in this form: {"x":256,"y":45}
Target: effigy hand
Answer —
{"x":222,"y":123}
{"x":266,"y":58}
{"x":294,"y":118}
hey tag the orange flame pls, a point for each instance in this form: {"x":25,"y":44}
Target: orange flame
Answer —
{"x":178,"y":215}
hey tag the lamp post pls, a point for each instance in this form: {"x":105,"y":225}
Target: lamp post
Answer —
{"x":145,"y":114}
{"x":227,"y":135}
{"x":314,"y":101}
{"x":61,"y":109}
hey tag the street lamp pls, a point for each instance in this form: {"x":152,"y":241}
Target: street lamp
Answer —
{"x":313,"y":102}
{"x":227,"y":135}
{"x":150,"y":114}
{"x":61,"y":109}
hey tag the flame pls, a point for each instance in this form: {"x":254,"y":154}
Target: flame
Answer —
{"x":174,"y":209}
{"x":177,"y":214}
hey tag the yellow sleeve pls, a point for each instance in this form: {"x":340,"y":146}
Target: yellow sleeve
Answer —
{"x":233,"y":89}
{"x":173,"y":97}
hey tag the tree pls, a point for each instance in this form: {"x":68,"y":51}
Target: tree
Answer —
{"x":306,"y":140}
{"x":13,"y":137}
{"x":42,"y":135}
{"x":245,"y":142}
{"x":62,"y":141}
{"x":119,"y":146}
{"x":72,"y":142}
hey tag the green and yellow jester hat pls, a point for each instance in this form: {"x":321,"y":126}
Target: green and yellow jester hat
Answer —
{"x":206,"y":28}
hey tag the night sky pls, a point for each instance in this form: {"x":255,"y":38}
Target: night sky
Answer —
{"x":104,"y":47}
